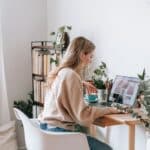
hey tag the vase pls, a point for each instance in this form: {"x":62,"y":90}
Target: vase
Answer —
{"x":102,"y":95}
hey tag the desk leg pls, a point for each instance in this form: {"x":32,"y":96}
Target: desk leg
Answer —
{"x":108,"y":129}
{"x":131,"y":137}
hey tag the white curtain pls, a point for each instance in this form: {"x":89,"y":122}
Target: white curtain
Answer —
{"x":4,"y":109}
{"x":7,"y":127}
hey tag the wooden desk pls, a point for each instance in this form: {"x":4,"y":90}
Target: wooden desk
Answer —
{"x":118,"y":119}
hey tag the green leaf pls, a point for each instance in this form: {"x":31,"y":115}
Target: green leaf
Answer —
{"x":99,"y":84}
{"x":142,"y":76}
{"x":52,"y":33}
{"x":147,"y":124}
{"x":69,"y":27}
{"x":103,"y":64}
{"x":97,"y":71}
{"x":25,"y":105}
{"x":61,"y":29}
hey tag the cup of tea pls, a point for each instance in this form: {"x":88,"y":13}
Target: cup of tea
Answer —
{"x":92,"y":97}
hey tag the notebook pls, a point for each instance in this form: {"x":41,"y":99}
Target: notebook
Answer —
{"x":124,"y":90}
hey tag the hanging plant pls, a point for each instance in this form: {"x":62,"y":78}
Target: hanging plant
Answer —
{"x":61,"y":37}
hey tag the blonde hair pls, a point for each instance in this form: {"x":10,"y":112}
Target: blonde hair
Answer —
{"x":72,"y":56}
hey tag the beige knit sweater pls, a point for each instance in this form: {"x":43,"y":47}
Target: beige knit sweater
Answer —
{"x":64,"y":104}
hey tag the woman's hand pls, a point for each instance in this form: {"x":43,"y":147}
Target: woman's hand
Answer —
{"x":90,"y":88}
{"x":114,"y":110}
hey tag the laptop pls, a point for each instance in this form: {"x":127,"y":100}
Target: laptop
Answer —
{"x":124,"y":90}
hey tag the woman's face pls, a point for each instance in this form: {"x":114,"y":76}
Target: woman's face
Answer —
{"x":87,"y":58}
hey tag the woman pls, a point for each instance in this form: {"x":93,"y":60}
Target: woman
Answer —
{"x":64,"y":108}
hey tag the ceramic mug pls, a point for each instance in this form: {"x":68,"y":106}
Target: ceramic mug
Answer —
{"x":92,"y":97}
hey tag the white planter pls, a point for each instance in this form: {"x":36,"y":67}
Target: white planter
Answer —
{"x":102,"y":95}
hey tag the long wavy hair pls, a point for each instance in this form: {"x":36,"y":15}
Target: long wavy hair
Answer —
{"x":72,"y":56}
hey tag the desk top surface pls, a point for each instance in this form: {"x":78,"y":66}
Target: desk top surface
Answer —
{"x":116,"y":119}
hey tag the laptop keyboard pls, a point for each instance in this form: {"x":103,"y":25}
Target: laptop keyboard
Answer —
{"x":101,"y":104}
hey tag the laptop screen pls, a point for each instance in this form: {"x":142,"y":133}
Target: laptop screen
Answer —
{"x":124,"y":90}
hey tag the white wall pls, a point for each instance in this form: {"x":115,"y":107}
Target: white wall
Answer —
{"x":121,"y":31}
{"x":23,"y":21}
{"x":119,"y":28}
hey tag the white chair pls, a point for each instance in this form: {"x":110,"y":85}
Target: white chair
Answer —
{"x":37,"y":139}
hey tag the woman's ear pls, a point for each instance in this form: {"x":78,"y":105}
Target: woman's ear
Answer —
{"x":82,"y":56}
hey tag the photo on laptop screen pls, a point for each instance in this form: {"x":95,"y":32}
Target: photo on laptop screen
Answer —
{"x":124,"y":90}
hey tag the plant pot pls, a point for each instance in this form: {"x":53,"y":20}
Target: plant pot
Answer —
{"x":102,"y":95}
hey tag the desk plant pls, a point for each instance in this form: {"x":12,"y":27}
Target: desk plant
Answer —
{"x":144,"y":99}
{"x":99,"y":78}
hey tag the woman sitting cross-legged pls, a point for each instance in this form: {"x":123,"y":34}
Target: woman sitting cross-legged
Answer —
{"x":64,"y":108}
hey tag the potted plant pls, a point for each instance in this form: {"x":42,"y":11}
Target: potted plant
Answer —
{"x":27,"y":106}
{"x":100,"y":78}
{"x":61,"y":38}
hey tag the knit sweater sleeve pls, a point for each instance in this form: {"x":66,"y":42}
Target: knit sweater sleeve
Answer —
{"x":75,"y":105}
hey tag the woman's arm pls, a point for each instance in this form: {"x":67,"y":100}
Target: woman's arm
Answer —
{"x":81,"y":112}
{"x":90,"y":88}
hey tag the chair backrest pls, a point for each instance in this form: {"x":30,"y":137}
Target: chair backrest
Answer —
{"x":37,"y":139}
